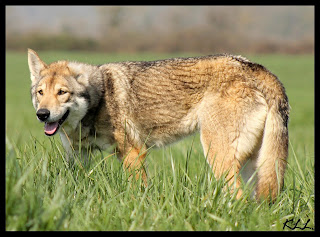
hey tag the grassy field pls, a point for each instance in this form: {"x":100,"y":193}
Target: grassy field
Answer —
{"x":44,"y":193}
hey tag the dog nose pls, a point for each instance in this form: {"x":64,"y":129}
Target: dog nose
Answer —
{"x":43,"y":114}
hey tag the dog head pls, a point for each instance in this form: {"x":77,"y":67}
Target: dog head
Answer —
{"x":61,"y":92}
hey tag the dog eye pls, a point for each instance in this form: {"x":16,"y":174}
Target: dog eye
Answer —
{"x":40,"y":92}
{"x":61,"y":92}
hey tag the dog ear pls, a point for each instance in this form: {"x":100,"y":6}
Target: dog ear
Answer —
{"x":35,"y":64}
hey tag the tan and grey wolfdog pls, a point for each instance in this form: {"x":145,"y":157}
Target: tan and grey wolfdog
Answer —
{"x":239,"y":107}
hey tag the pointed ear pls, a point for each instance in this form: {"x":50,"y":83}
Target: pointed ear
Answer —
{"x":35,"y":64}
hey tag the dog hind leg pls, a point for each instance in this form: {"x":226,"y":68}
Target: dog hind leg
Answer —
{"x":231,"y":129}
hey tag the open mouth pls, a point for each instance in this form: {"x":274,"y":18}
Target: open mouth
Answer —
{"x":51,"y":128}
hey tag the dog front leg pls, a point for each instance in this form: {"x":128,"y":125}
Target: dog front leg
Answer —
{"x":67,"y":145}
{"x":132,"y":157}
{"x":134,"y":162}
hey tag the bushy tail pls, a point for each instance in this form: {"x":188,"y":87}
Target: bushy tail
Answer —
{"x":271,"y":162}
{"x":272,"y":157}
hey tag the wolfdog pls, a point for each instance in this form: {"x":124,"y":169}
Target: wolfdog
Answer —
{"x":239,"y":107}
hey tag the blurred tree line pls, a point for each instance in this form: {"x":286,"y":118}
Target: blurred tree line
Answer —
{"x":213,"y":30}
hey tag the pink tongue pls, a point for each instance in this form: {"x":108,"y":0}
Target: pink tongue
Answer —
{"x":51,"y":128}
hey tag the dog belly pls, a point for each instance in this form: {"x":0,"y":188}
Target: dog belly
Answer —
{"x":167,"y":133}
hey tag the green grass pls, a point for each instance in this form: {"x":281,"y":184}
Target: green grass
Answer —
{"x":43,"y":192}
